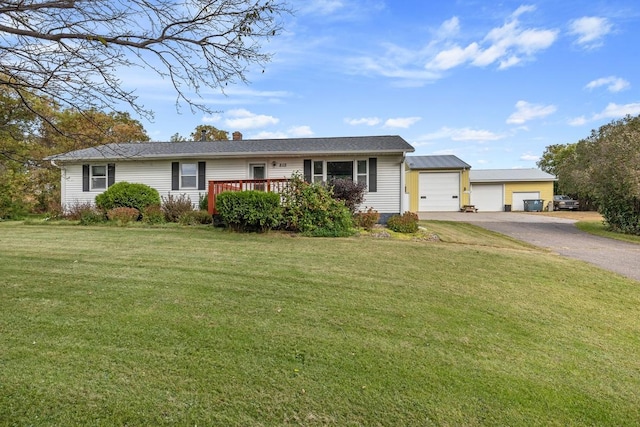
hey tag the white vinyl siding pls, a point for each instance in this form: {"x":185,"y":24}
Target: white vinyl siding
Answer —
{"x":157,"y":174}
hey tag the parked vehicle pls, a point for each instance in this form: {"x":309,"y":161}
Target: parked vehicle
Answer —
{"x":561,"y":201}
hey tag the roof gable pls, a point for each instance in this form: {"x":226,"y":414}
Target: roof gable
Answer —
{"x":361,"y":145}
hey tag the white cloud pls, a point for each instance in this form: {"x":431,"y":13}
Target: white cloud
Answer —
{"x":529,"y":157}
{"x":526,"y":112}
{"x":324,"y":7}
{"x":449,"y":28}
{"x":462,"y":134}
{"x":507,"y":45}
{"x":613,"y":84}
{"x":590,"y":30}
{"x":368,"y":121}
{"x":402,"y":122}
{"x":578,"y":121}
{"x":244,"y":119}
{"x":615,"y":111}
{"x":293,"y":132}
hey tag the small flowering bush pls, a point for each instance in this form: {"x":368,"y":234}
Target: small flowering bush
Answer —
{"x":367,"y":219}
{"x":176,"y":206}
{"x":405,"y":223}
{"x":153,"y":215}
{"x":123,"y":215}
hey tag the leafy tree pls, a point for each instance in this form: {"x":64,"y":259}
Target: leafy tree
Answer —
{"x":70,"y":51}
{"x":553,"y":159}
{"x":210,"y":133}
{"x":176,"y":137}
{"x":604,"y":166}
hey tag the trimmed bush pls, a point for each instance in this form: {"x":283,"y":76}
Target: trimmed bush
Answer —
{"x":311,"y":209}
{"x":196,"y":218}
{"x":176,"y":206}
{"x":128,"y":195}
{"x":249,"y":210}
{"x":367,"y":219}
{"x":203,"y":204}
{"x":405,"y":223}
{"x":123,"y":215}
{"x":351,"y":193}
{"x":153,"y":215}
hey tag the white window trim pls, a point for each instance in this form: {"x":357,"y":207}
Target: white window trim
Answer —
{"x":105,"y":177}
{"x":193,"y":187}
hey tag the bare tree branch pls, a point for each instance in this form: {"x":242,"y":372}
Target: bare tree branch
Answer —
{"x":70,"y":50}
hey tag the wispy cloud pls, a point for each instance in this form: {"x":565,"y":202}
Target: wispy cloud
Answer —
{"x":613,"y":84}
{"x":368,"y":121}
{"x":402,"y":122}
{"x":507,"y":46}
{"x":528,"y":157}
{"x":293,"y":132}
{"x":526,"y":111}
{"x":615,"y":111}
{"x":578,"y":121}
{"x":462,"y":134}
{"x":590,"y":30}
{"x":244,"y":119}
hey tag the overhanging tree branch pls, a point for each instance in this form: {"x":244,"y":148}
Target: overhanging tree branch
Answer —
{"x":70,"y":50}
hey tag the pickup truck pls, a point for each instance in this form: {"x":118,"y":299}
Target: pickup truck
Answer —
{"x":564,"y":202}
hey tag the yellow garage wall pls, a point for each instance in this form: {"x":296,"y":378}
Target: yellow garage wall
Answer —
{"x":413,"y":187}
{"x":544,"y":187}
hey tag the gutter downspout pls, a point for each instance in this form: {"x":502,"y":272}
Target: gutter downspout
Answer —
{"x":403,"y":184}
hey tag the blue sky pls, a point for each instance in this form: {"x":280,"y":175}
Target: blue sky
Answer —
{"x":491,"y":82}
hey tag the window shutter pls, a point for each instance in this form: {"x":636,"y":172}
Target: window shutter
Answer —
{"x":111,"y":174}
{"x":85,"y":177}
{"x":373,"y":175}
{"x":175,"y":175}
{"x":202,"y":175}
{"x":307,"y":170}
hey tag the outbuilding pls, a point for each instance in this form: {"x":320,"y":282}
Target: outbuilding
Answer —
{"x":495,"y":190}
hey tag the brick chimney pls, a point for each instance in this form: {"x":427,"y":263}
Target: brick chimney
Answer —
{"x":237,"y":136}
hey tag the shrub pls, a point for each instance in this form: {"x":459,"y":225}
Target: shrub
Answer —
{"x":367,"y":219}
{"x":153,"y":215}
{"x":128,"y":195}
{"x":75,"y":210}
{"x":92,"y":216}
{"x":405,"y":223}
{"x":203,"y":204}
{"x":249,"y":210}
{"x":196,"y":218}
{"x":311,"y":209}
{"x":176,"y":206}
{"x":351,"y":193}
{"x":123,"y":215}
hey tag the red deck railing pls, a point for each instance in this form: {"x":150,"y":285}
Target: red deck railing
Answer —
{"x":269,"y":185}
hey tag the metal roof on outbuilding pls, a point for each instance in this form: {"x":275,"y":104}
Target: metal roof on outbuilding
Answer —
{"x":436,"y":162}
{"x":509,"y":175}
{"x":361,"y":145}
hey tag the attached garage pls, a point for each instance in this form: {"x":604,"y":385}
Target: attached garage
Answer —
{"x":436,"y":183}
{"x":487,"y":197}
{"x":439,"y":191}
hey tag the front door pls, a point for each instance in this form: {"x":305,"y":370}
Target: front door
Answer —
{"x":258,"y":171}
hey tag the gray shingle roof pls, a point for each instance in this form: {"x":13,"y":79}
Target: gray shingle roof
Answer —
{"x":509,"y":175}
{"x":282,"y":147}
{"x":436,"y":162}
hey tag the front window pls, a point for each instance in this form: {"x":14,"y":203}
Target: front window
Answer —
{"x":99,"y":177}
{"x":339,"y":170}
{"x":189,"y":175}
{"x":362,"y":171}
{"x":318,"y":171}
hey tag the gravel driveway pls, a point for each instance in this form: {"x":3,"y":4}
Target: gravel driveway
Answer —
{"x":557,"y":234}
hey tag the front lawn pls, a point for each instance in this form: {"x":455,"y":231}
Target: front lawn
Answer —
{"x":197,"y":326}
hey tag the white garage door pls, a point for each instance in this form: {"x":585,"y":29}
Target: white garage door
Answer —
{"x":439,"y":192}
{"x":487,"y":197}
{"x":519,"y":198}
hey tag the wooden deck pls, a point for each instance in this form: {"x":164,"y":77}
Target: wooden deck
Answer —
{"x":217,"y":187}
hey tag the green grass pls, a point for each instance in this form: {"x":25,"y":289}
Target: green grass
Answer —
{"x":186,"y":326}
{"x":598,"y":228}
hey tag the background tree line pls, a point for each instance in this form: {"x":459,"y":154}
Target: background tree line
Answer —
{"x":603,"y":171}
